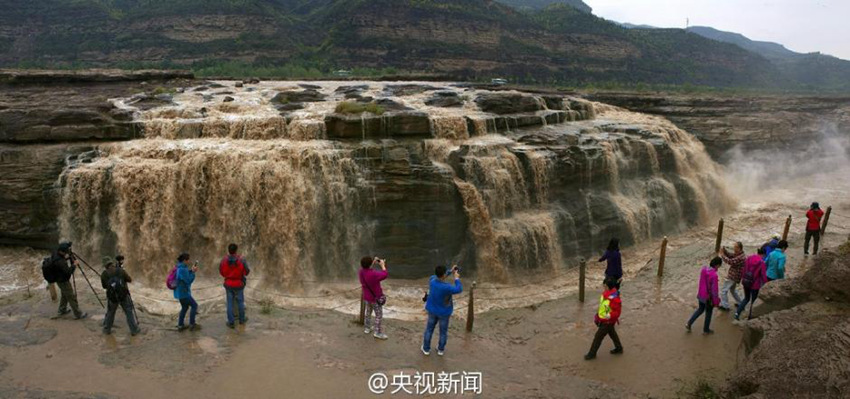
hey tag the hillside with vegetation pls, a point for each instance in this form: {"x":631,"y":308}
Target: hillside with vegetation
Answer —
{"x":460,"y":39}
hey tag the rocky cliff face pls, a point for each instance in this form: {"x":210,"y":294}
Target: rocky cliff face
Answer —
{"x":723,"y":122}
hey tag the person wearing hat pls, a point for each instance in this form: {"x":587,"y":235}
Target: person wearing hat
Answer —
{"x":61,"y":268}
{"x":814,"y":215}
{"x":114,"y":280}
{"x":771,"y":245}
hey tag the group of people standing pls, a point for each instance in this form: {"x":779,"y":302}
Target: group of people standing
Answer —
{"x":751,"y":272}
{"x":439,"y":303}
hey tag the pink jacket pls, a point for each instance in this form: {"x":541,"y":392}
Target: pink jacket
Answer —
{"x":757,"y":269}
{"x":370,"y":281}
{"x":708,"y":286}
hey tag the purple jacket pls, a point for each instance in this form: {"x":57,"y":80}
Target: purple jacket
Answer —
{"x":708,"y":286}
{"x":370,"y":280}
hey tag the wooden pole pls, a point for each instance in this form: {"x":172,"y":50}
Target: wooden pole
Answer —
{"x":825,"y":220}
{"x":719,"y":236}
{"x":470,"y":310}
{"x":662,"y":257}
{"x":582,"y":271}
{"x":362,"y":319}
{"x":787,"y":228}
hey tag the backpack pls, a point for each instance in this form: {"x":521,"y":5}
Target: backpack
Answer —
{"x":748,"y":278}
{"x":171,"y":281}
{"x":51,"y":273}
{"x":116,"y":288}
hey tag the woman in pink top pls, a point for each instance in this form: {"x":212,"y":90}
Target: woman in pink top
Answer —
{"x":753,"y":277}
{"x":708,"y":295}
{"x":370,"y":282}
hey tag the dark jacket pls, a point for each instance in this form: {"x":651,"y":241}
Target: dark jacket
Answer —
{"x":63,"y":266}
{"x":108,"y":273}
{"x":615,"y":264}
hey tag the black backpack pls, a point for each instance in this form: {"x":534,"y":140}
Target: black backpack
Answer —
{"x":51,"y":273}
{"x":116,"y":287}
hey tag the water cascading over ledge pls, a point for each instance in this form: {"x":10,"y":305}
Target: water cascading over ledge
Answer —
{"x":500,"y":181}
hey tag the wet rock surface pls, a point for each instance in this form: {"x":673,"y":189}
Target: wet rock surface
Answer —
{"x":16,"y":332}
{"x":753,"y":122}
{"x":508,"y":103}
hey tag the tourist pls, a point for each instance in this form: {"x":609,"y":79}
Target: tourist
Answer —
{"x":753,"y":278}
{"x":114,"y":280}
{"x":614,"y":270}
{"x":776,"y":262}
{"x":183,"y":292}
{"x":771,"y":245}
{"x":234,"y":269}
{"x":707,"y":295}
{"x":373,"y":295}
{"x":57,"y":270}
{"x":440,"y":306}
{"x":606,"y":318}
{"x":736,"y":261}
{"x":814,"y":216}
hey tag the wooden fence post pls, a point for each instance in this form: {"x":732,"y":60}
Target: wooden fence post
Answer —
{"x":362,"y":319}
{"x":582,"y":271}
{"x":719,"y":236}
{"x":662,"y":257}
{"x":470,"y":310}
{"x":826,"y":220}
{"x":787,"y":228}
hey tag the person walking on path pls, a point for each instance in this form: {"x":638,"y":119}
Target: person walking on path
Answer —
{"x":114,"y":280}
{"x":753,"y":278}
{"x":614,"y":270}
{"x":60,"y":269}
{"x":183,"y":292}
{"x":606,"y":319}
{"x":735,"y":260}
{"x":814,"y":216}
{"x":440,"y":306}
{"x":234,"y":269}
{"x":776,"y":262}
{"x":707,"y":295}
{"x":373,"y":294}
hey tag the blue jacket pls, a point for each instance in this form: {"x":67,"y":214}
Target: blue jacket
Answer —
{"x":776,"y":265}
{"x":185,"y":278}
{"x":770,"y":247}
{"x":440,"y":296}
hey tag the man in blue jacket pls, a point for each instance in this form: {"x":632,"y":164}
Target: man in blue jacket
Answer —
{"x":440,"y":306}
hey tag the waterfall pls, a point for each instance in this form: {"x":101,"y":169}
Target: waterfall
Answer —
{"x":306,"y":191}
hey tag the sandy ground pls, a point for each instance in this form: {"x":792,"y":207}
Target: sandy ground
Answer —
{"x":527,"y":351}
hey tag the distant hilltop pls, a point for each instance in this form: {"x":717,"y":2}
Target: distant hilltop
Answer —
{"x":524,"y":41}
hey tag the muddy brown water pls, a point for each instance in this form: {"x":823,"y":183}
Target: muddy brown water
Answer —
{"x":523,"y":351}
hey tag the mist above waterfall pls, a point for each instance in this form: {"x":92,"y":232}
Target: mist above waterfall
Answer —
{"x":752,"y":170}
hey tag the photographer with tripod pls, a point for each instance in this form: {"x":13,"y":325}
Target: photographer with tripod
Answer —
{"x":114,"y":279}
{"x":59,"y":269}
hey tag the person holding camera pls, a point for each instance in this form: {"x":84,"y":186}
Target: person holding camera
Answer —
{"x":234,"y":269}
{"x":440,"y":306}
{"x":608,"y":315}
{"x":183,"y":292}
{"x":114,"y":280}
{"x":60,"y":268}
{"x":370,"y":282}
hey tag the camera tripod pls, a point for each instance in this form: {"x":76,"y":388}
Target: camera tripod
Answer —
{"x":83,"y":272}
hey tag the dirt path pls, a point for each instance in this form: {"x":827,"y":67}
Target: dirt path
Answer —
{"x":530,"y":351}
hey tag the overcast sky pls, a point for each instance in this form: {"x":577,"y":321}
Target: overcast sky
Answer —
{"x":801,"y":25}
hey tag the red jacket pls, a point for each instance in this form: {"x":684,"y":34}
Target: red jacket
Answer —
{"x":610,"y":306}
{"x":234,"y":269}
{"x":814,"y":216}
